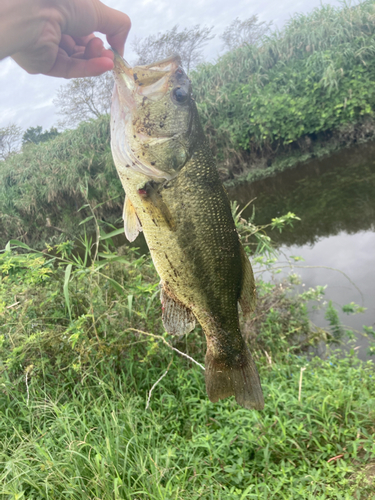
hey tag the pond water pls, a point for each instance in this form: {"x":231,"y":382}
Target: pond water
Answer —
{"x":335,"y":199}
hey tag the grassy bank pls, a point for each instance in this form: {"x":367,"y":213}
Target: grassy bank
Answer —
{"x":306,"y":91}
{"x":94,"y":439}
{"x":48,"y":189}
{"x":255,"y":167}
{"x":308,"y":88}
{"x":82,"y":347}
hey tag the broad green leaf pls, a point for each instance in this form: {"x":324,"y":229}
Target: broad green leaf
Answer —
{"x":19,"y":244}
{"x":116,"y":286}
{"x":86,"y":220}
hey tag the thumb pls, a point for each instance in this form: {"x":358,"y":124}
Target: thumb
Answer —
{"x":115,"y":25}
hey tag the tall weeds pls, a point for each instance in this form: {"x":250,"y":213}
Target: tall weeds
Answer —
{"x":313,"y":76}
{"x":76,"y":371}
{"x":43,"y":188}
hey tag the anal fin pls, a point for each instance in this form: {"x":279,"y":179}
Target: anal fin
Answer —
{"x":247,"y":298}
{"x":132,"y":224}
{"x":177,"y":319}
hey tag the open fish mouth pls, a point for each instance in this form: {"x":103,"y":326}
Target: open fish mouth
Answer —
{"x":151,"y":81}
{"x":132,"y":87}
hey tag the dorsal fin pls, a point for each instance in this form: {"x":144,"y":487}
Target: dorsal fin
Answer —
{"x":132,"y":224}
{"x":247,"y":298}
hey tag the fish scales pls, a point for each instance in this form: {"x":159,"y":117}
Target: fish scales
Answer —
{"x":175,"y":196}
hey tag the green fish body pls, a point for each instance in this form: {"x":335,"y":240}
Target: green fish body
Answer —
{"x":174,"y":195}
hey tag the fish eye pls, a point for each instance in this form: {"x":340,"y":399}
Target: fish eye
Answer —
{"x":180,"y":95}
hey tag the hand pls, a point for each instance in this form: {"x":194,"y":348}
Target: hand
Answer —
{"x":55,"y":37}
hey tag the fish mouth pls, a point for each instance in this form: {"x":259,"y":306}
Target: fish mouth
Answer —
{"x":151,"y":80}
{"x":122,"y":71}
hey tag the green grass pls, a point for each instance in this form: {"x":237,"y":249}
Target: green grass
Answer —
{"x":75,"y":381}
{"x":312,"y":77}
{"x":46,"y":190}
{"x":96,"y":440}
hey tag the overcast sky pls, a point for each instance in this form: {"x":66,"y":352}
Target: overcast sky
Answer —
{"x":27,"y":99}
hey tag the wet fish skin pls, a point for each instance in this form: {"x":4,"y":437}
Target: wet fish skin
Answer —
{"x":175,"y":196}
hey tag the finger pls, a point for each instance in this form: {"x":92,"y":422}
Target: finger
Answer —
{"x":115,"y":25}
{"x":105,"y":53}
{"x":71,"y":67}
{"x":79,"y":55}
{"x":68,"y":44}
{"x":94,"y":48}
{"x":83,"y":40}
{"x":108,"y":53}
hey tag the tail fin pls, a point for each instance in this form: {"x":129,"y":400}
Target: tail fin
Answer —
{"x":241,"y":380}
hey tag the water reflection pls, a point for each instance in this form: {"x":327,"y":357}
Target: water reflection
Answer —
{"x":325,"y":264}
{"x":330,"y":196}
{"x":335,"y":199}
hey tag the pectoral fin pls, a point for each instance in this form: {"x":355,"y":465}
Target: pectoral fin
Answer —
{"x":155,"y":205}
{"x":247,"y":298}
{"x":177,"y":319}
{"x":132,"y":224}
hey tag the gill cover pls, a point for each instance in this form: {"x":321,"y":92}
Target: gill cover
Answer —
{"x":121,"y":129}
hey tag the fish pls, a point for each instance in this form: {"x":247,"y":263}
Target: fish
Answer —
{"x":173,"y":194}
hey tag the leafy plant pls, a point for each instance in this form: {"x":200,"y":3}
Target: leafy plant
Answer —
{"x":74,"y":383}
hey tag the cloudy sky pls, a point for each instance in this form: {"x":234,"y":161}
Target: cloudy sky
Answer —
{"x":27,"y":99}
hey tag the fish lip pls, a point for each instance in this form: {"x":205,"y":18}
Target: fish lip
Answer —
{"x":121,"y":65}
{"x":123,"y":74}
{"x":164,"y":64}
{"x":156,"y":72}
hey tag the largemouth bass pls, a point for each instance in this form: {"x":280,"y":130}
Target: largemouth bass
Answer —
{"x":174,"y":195}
